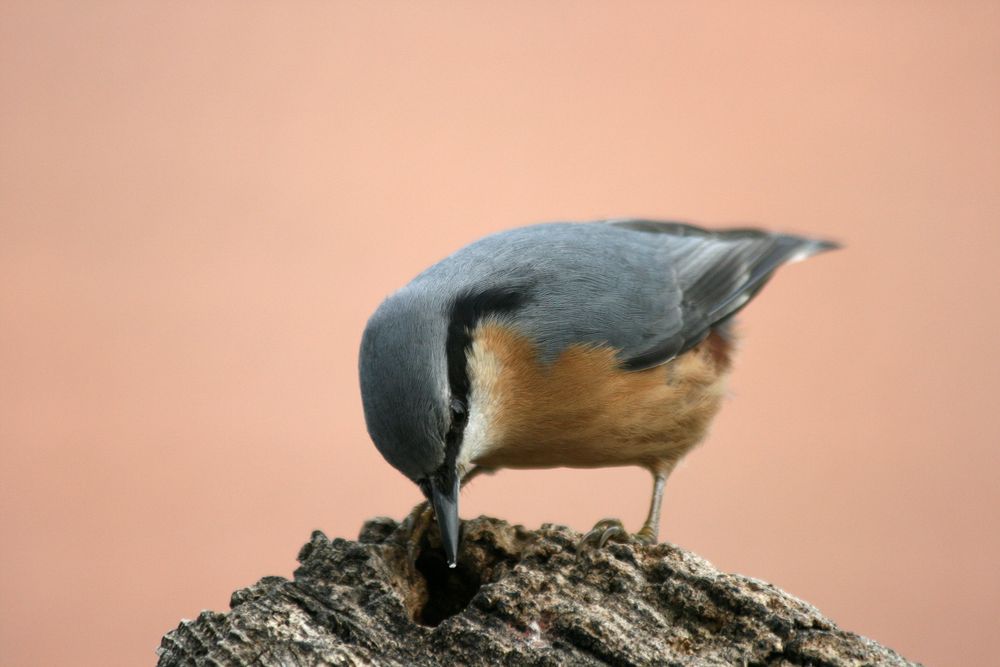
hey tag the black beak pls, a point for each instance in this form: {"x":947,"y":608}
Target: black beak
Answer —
{"x":444,"y":497}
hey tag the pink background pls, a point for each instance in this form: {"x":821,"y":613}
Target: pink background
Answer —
{"x":202,"y":203}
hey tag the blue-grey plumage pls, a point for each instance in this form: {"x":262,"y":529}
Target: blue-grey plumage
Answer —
{"x":647,"y":291}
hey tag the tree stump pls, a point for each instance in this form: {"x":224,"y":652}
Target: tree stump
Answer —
{"x":517,"y":597}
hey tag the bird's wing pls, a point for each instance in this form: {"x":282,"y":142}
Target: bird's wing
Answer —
{"x":714,"y":274}
{"x":650,"y":290}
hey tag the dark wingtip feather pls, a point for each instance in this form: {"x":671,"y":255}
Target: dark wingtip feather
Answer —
{"x":823,"y":245}
{"x":679,"y":228}
{"x":817,"y":246}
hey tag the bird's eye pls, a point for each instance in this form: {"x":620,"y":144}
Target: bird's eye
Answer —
{"x":457,"y":406}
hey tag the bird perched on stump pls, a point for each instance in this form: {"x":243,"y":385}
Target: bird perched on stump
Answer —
{"x":579,"y":345}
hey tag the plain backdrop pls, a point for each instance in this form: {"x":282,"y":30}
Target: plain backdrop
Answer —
{"x":203,"y":202}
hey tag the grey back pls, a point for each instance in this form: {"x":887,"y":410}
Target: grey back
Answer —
{"x":649,"y":289}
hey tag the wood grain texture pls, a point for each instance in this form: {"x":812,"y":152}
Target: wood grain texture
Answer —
{"x":517,"y":597}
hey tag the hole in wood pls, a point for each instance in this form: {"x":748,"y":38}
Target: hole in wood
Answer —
{"x":449,"y":590}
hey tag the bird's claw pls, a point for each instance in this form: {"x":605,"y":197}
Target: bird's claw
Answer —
{"x":612,"y":530}
{"x":412,"y":529}
{"x":604,"y":531}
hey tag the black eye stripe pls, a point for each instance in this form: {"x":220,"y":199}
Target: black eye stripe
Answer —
{"x":466,"y":312}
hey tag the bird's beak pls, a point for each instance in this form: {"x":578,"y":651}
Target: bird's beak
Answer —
{"x":445,"y":501}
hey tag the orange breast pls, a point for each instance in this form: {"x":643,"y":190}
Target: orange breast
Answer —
{"x":583,"y":410}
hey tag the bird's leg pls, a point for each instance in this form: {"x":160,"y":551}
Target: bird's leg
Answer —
{"x":415,"y":525}
{"x":606,"y":530}
{"x":651,"y":529}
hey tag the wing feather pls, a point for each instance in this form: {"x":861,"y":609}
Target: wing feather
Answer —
{"x":718,"y":272}
{"x":651,"y":290}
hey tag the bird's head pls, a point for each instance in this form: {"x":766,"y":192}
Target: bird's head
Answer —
{"x":409,"y":409}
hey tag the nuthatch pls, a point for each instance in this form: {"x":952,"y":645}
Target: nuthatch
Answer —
{"x":577,"y":345}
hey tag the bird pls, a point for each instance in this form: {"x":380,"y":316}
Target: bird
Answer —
{"x":564,"y":344}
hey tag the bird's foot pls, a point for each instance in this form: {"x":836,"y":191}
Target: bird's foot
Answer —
{"x":413,"y":528}
{"x":612,"y":530}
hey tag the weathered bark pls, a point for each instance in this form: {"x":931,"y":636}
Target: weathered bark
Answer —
{"x":517,"y":597}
